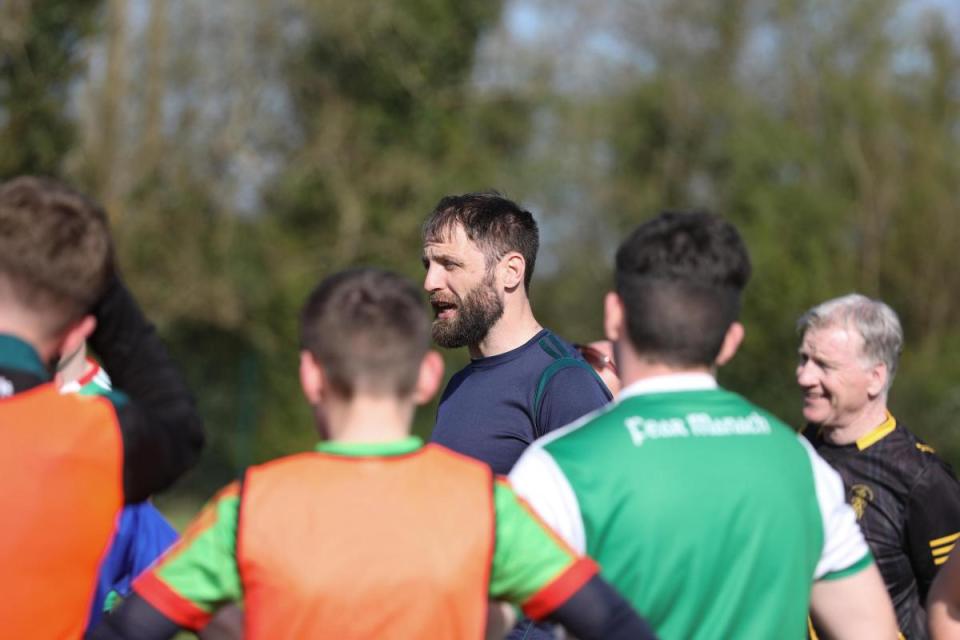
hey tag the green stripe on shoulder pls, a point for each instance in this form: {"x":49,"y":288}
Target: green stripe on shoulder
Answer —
{"x":856,"y":567}
{"x":557,"y":344}
{"x":548,"y":349}
{"x":548,"y":373}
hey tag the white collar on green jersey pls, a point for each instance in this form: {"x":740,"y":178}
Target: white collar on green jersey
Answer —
{"x":669,"y":382}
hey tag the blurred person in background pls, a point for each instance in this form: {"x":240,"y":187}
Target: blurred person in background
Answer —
{"x":71,"y":462}
{"x":907,"y":500}
{"x":599,"y":354}
{"x":373,"y":535}
{"x":710,"y":515}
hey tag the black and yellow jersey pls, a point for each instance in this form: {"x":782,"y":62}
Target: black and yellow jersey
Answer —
{"x":907,"y":502}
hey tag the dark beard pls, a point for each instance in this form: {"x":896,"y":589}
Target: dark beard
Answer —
{"x":476,"y":313}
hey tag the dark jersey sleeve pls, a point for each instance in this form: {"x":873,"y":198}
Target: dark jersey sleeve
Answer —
{"x":597,"y":611}
{"x":933,"y":522}
{"x":161,"y":429}
{"x":136,"y":619}
{"x":571,"y":393}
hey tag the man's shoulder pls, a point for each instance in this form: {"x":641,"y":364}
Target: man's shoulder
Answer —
{"x":558,"y":360}
{"x":529,"y":369}
{"x":919,"y":459}
{"x":905,"y":449}
{"x":542,"y":351}
{"x":903,"y":436}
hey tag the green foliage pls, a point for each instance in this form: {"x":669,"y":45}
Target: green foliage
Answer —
{"x":823,"y":128}
{"x":839,"y":168}
{"x":40,"y":44}
{"x":389,"y":123}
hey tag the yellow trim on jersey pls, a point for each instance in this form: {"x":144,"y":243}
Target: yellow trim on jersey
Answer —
{"x":878,"y":434}
{"x":941,"y":547}
{"x":925,"y":448}
{"x":939,"y":542}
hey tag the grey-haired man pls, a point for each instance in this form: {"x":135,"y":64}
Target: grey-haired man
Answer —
{"x":907,"y":500}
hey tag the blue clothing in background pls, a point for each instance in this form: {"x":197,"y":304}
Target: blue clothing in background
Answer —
{"x":143,"y":534}
{"x":488,"y":409}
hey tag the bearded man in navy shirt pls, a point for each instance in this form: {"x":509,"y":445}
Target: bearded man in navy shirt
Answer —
{"x":523,"y":381}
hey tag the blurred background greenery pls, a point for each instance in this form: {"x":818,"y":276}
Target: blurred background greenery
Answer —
{"x":244,"y":149}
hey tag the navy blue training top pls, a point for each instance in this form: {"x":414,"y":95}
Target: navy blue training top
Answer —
{"x":487,"y":410}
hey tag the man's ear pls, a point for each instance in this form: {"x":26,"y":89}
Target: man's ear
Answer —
{"x":312,"y":378}
{"x":613,"y":317}
{"x":877,"y":381}
{"x":512,"y":270}
{"x":429,"y":377}
{"x":76,"y":336}
{"x":731,"y":342}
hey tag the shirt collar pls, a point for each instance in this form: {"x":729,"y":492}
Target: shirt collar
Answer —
{"x":370,"y":449}
{"x":878,"y":433}
{"x":670,"y":382}
{"x":19,"y":355}
{"x":500,"y":358}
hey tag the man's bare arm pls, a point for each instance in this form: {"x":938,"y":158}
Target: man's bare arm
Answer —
{"x":855,"y":606}
{"x":943,"y":603}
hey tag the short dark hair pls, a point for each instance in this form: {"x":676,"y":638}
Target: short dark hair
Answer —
{"x":494,"y":223}
{"x":56,"y":255}
{"x":369,"y":330}
{"x":680,"y":277}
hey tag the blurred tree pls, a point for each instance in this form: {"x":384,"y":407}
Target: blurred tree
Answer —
{"x":826,"y":130}
{"x":255,"y":146}
{"x":389,"y":121}
{"x":40,"y":45}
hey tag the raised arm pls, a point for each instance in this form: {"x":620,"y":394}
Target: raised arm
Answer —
{"x":161,"y":429}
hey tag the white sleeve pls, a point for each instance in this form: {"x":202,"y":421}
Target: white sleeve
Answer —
{"x":538,"y":479}
{"x":843,"y":545}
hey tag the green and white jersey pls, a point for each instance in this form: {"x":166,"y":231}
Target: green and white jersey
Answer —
{"x":707,"y":513}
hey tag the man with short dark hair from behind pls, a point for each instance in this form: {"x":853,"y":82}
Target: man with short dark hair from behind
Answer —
{"x":708,"y":513}
{"x":373,"y":535}
{"x":907,"y":500}
{"x":72,"y":462}
{"x":599,"y":354}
